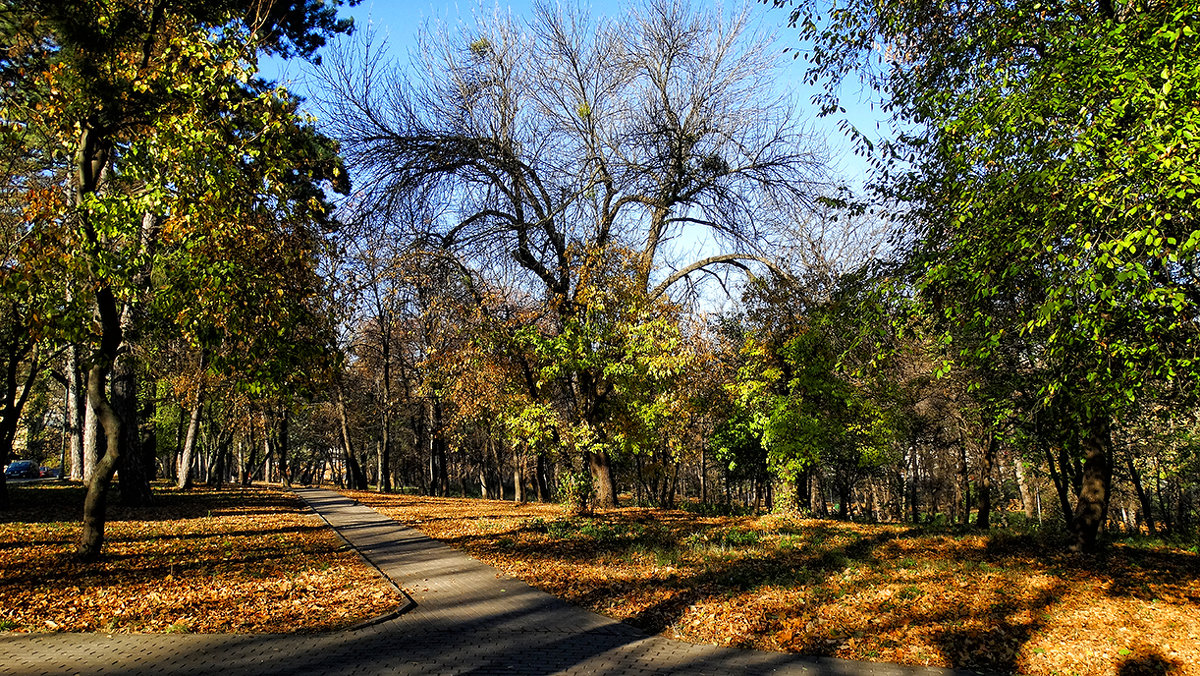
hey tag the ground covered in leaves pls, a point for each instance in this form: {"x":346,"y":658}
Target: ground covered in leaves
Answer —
{"x":885,"y":593}
{"x":237,"y":560}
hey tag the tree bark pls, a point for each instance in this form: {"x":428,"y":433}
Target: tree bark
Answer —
{"x":605,"y":488}
{"x":284,"y":469}
{"x":134,"y":481}
{"x":1091,"y":508}
{"x":1027,"y":501}
{"x":1142,"y":496}
{"x":984,"y":520}
{"x":76,"y":412}
{"x":543,"y":486}
{"x":184,"y":477}
{"x":357,"y":479}
{"x":95,"y":503}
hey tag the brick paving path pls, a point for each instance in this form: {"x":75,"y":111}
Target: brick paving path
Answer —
{"x":463,"y":617}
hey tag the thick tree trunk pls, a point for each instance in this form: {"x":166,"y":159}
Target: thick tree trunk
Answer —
{"x":95,"y":503}
{"x":439,"y":477}
{"x":1091,"y":509}
{"x":605,"y":488}
{"x":843,"y":489}
{"x":135,"y":481}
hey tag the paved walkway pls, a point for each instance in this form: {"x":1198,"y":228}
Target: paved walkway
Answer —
{"x":463,"y":618}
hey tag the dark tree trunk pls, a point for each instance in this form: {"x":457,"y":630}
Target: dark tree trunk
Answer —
{"x":16,"y":393}
{"x":984,"y":520}
{"x":247,"y":468}
{"x":134,"y":480}
{"x":964,"y":482}
{"x":1091,"y":509}
{"x":1059,"y":478}
{"x":914,"y":483}
{"x":843,"y":489}
{"x":149,"y":435}
{"x":605,"y":488}
{"x":284,"y":474}
{"x":95,"y":503}
{"x":1143,"y":498}
{"x":543,"y":486}
{"x":439,"y":476}
{"x":356,"y":478}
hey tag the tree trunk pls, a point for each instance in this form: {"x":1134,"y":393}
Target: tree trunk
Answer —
{"x":984,"y":520}
{"x":1059,"y":478}
{"x":184,"y":477}
{"x":134,"y":480}
{"x":76,"y":411}
{"x":356,"y":479}
{"x":1091,"y":509}
{"x":284,"y":474}
{"x":1027,"y":501}
{"x":964,"y":482}
{"x":543,"y":486}
{"x":1143,"y":498}
{"x":605,"y":488}
{"x":95,"y":503}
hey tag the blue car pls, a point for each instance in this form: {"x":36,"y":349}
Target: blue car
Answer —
{"x":23,"y":469}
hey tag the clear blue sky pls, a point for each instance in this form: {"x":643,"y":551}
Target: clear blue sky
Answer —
{"x":399,"y":21}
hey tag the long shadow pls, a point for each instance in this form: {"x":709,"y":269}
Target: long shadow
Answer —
{"x":819,"y":562}
{"x":1149,"y":663}
{"x":43,"y":504}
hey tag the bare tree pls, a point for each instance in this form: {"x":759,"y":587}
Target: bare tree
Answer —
{"x":562,"y":135}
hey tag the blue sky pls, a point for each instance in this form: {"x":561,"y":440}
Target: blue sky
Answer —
{"x":399,"y":21}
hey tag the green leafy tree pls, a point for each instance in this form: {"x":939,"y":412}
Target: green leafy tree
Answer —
{"x":118,"y":93}
{"x":1051,"y":188}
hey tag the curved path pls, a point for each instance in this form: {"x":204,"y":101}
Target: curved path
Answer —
{"x":463,"y":617}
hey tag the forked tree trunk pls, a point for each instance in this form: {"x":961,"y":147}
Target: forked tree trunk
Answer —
{"x":1143,"y":497}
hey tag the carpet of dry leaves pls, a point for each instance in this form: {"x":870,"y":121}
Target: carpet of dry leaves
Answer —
{"x":237,"y":560}
{"x":885,"y":593}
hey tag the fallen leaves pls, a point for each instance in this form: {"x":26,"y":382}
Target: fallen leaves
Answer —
{"x":239,"y":560}
{"x":866,"y":592}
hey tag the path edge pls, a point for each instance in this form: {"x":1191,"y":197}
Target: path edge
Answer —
{"x":407,"y":602}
